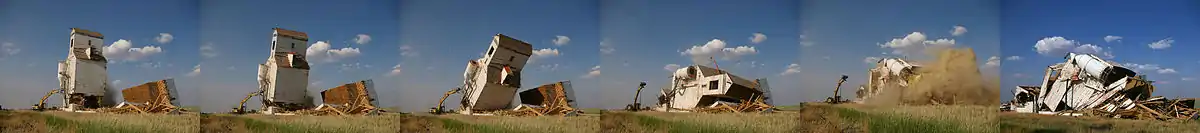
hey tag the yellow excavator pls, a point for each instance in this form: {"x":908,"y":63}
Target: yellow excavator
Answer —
{"x":41,"y":105}
{"x":241,"y":108}
{"x":439,"y":109}
{"x":837,"y":99}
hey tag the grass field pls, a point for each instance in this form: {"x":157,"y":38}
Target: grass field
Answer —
{"x":1016,"y":123}
{"x":397,"y":123}
{"x":812,"y":118}
{"x":55,"y":122}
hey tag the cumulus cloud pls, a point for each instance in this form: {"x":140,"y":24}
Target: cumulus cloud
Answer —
{"x":1161,"y":44}
{"x":593,"y":73}
{"x":1112,"y":38}
{"x":606,"y":48}
{"x":561,"y":40}
{"x":958,"y":30}
{"x":549,"y":67}
{"x":195,"y":71}
{"x":1013,"y":58}
{"x":671,"y":67}
{"x":320,"y":52}
{"x":353,"y":66}
{"x":543,"y":53}
{"x":791,"y":69}
{"x":1166,"y":71}
{"x":914,"y":43}
{"x":395,"y":71}
{"x":208,"y":51}
{"x":758,"y":38}
{"x":992,"y":62}
{"x":408,"y":51}
{"x":164,"y":38}
{"x":362,"y":39}
{"x":8,"y":49}
{"x":716,"y":48}
{"x":1059,"y":46}
{"x":123,"y":50}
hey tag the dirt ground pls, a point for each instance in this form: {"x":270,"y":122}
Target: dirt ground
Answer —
{"x":21,"y":122}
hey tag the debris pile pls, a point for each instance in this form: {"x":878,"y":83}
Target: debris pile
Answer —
{"x":156,"y":97}
{"x":699,"y":88}
{"x":1088,"y":85}
{"x":550,"y":99}
{"x":356,"y":98}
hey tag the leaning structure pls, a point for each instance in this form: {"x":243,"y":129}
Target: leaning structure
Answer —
{"x":699,"y":88}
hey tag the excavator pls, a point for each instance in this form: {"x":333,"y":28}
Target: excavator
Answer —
{"x":241,"y":108}
{"x":41,"y":105}
{"x":441,"y":109}
{"x":837,"y":99}
{"x":636,"y":106}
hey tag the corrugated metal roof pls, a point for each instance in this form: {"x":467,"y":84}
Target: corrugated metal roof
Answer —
{"x":292,"y":33}
{"x":86,"y":33}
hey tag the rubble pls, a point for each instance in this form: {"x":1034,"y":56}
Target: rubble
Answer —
{"x":1088,"y":85}
{"x":699,"y":88}
{"x":953,"y":77}
{"x":152,"y":97}
{"x":550,"y":99}
{"x":356,"y":98}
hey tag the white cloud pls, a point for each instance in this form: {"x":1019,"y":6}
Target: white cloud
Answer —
{"x":123,"y":50}
{"x":593,"y":73}
{"x":1112,"y":38}
{"x":1187,"y":78}
{"x":164,"y":38}
{"x":1166,"y":71}
{"x":543,"y":53}
{"x":1149,"y":67}
{"x":791,"y":69}
{"x":395,"y":71}
{"x":606,"y":48}
{"x":1013,"y":58}
{"x":958,"y":30}
{"x":561,"y":40}
{"x":993,"y":61}
{"x":195,"y":71}
{"x":549,"y":67}
{"x":8,"y":49}
{"x":408,"y":51}
{"x":805,"y":42}
{"x":1161,"y":44}
{"x":914,"y":43}
{"x":716,"y":48}
{"x":353,"y":66}
{"x":362,"y":39}
{"x":758,"y":38}
{"x":872,"y":60}
{"x":1059,"y":46}
{"x":1019,"y":75}
{"x":671,"y":67}
{"x":208,"y":51}
{"x":150,"y":65}
{"x":320,"y":52}
{"x":116,"y":82}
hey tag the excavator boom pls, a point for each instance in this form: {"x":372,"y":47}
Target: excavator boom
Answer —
{"x":441,"y":109}
{"x":241,"y":108}
{"x":41,"y":105}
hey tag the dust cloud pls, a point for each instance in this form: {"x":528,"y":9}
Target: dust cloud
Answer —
{"x":952,"y":78}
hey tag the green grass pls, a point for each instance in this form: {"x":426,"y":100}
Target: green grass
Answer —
{"x":59,"y":124}
{"x":456,"y":126}
{"x":897,"y":123}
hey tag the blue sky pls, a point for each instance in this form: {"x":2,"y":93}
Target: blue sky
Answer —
{"x":35,"y":33}
{"x":1134,"y":25}
{"x":239,"y":35}
{"x":444,"y":35}
{"x":845,"y":37}
{"x":641,"y":38}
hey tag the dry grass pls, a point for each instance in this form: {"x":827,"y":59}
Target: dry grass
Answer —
{"x":812,"y":118}
{"x":572,"y":124}
{"x":97,"y":122}
{"x":1017,"y":122}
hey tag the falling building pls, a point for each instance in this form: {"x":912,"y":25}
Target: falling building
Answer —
{"x":283,"y":79}
{"x":888,"y":74}
{"x":491,"y":82}
{"x":699,"y":86}
{"x":83,"y":76}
